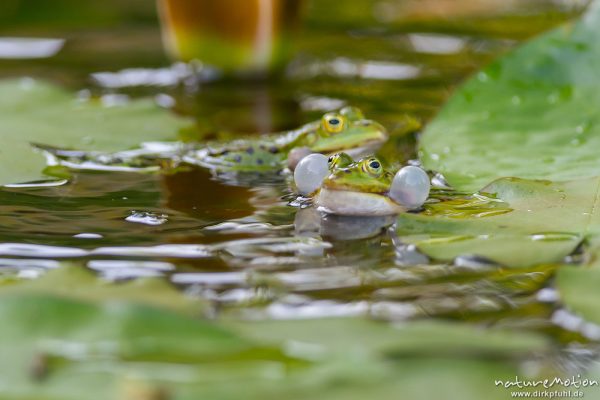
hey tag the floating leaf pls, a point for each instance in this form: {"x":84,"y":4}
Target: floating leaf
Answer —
{"x":76,"y":282}
{"x":578,"y":287}
{"x":60,"y":348}
{"x":532,"y":114}
{"x":37,"y":112}
{"x":547,"y":223}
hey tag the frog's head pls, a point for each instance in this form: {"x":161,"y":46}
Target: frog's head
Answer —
{"x":358,"y":188}
{"x":349,"y":131}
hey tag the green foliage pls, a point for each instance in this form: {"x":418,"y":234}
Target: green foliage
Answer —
{"x":547,"y":222}
{"x":69,"y":335}
{"x":57,"y":346}
{"x":76,"y":282}
{"x":37,"y":112}
{"x":531,"y":114}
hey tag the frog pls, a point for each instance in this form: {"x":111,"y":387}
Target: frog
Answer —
{"x":346,"y":130}
{"x":366,"y":188}
{"x":358,"y":188}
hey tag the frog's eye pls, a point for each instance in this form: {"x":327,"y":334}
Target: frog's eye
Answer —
{"x":333,"y":123}
{"x":373,"y":167}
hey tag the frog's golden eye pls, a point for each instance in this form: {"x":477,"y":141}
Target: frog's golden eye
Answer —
{"x":373,"y":167}
{"x":333,"y":122}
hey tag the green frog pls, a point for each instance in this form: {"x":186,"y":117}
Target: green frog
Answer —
{"x":346,"y":130}
{"x":360,"y":188}
{"x":364,"y":187}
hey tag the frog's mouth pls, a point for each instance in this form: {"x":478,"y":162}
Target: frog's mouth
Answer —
{"x":352,"y":142}
{"x":346,"y":202}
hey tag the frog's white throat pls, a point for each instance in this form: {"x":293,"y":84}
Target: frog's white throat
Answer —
{"x":345,"y":202}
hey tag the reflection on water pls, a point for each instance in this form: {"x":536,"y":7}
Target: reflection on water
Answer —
{"x":256,"y":257}
{"x":28,"y":48}
{"x":235,"y":240}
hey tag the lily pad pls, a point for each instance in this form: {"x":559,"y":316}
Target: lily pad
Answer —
{"x":76,"y":282}
{"x":57,"y":347}
{"x":547,"y":222}
{"x":38,"y":112}
{"x":578,"y":287}
{"x":532,"y":114}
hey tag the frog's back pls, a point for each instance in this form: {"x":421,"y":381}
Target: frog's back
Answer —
{"x":256,"y":155}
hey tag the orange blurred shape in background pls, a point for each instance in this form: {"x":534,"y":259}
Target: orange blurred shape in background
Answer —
{"x":236,"y":36}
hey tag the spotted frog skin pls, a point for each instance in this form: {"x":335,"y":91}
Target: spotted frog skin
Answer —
{"x":345,"y":130}
{"x":356,"y":188}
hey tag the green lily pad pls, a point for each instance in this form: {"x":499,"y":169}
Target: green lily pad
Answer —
{"x":578,"y":287}
{"x":547,"y":222}
{"x":355,"y":358}
{"x":72,"y":335}
{"x":327,"y":337}
{"x":57,"y":347}
{"x":75,"y":282}
{"x":37,"y":112}
{"x":532,"y":114}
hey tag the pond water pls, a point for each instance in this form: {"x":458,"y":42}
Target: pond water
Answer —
{"x":246,"y":246}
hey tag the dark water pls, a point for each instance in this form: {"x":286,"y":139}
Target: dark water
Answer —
{"x":242,"y":246}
